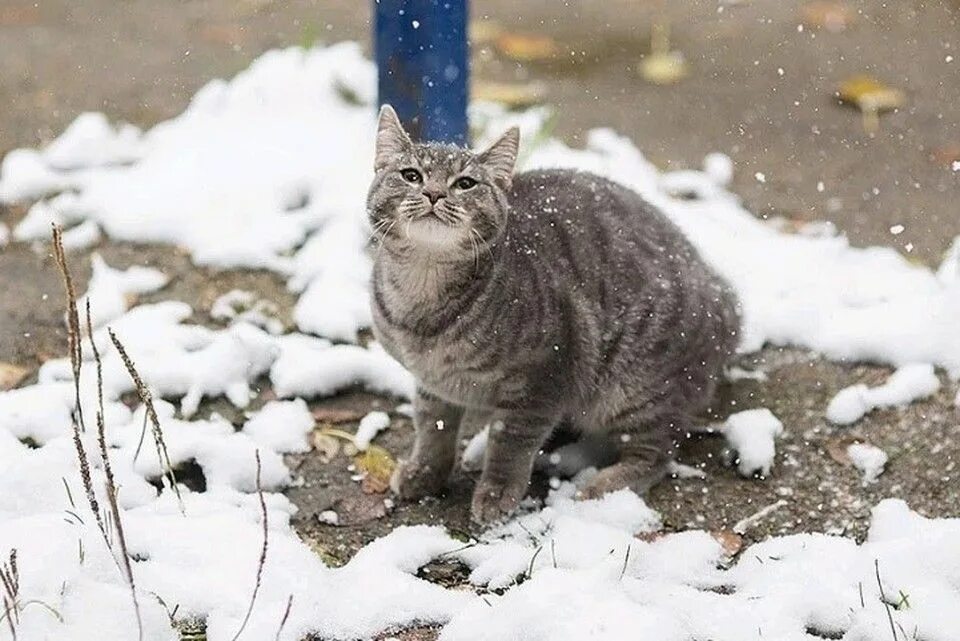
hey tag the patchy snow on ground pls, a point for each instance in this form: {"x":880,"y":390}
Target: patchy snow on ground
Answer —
{"x":370,"y":425}
{"x":750,"y":436}
{"x":907,"y":384}
{"x":239,"y":305}
{"x":869,"y":459}
{"x":270,"y":170}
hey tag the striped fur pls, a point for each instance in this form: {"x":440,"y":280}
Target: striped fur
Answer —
{"x":581,"y":304}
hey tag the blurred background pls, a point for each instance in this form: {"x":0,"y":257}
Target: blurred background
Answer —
{"x":838,"y":110}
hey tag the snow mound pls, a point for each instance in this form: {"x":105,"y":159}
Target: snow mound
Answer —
{"x":869,"y":459}
{"x":751,"y":434}
{"x":909,"y":383}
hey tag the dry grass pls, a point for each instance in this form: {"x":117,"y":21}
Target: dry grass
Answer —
{"x":111,"y":525}
{"x":261,"y":562}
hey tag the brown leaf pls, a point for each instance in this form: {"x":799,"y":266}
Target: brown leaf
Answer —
{"x":19,"y":16}
{"x":730,"y":541}
{"x":335,"y":416}
{"x":11,"y":375}
{"x":837,"y":448}
{"x":946,"y":154}
{"x":832,"y":16}
{"x":650,"y":537}
{"x":526,"y":47}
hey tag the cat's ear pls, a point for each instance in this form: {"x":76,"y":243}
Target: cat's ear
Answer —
{"x":391,"y":138}
{"x":501,"y":156}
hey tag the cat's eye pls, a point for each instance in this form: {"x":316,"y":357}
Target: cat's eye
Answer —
{"x":465,"y":182}
{"x":411,"y":176}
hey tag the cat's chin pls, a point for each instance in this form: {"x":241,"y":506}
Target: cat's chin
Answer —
{"x":428,"y":232}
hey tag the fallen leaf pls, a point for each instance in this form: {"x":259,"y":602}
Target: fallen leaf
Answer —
{"x":650,"y":537}
{"x":513,"y":95}
{"x":730,"y":541}
{"x":663,"y":68}
{"x":11,"y":375}
{"x":870,"y":96}
{"x":837,"y":448}
{"x":19,"y":16}
{"x":946,"y":154}
{"x":326,"y":445}
{"x":356,"y":509}
{"x":832,"y":16}
{"x":526,"y":47}
{"x":376,"y":464}
{"x":335,"y":416}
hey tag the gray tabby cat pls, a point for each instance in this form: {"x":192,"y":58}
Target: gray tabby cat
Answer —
{"x":532,"y":299}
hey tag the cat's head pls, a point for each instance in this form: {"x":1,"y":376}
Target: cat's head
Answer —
{"x":435,"y":198}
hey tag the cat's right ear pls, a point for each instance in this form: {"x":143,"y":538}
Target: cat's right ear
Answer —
{"x":391,"y":138}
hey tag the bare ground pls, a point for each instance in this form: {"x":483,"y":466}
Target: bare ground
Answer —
{"x":141,"y":61}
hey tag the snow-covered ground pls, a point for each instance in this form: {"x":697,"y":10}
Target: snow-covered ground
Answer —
{"x":270,"y":170}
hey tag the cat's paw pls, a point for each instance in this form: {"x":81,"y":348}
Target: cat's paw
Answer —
{"x":495,"y":502}
{"x":412,"y":480}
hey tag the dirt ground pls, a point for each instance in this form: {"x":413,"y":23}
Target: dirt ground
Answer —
{"x":141,"y":61}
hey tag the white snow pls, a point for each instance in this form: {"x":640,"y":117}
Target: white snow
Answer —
{"x":370,"y":425}
{"x":472,"y":459}
{"x":907,"y":384}
{"x":270,"y":170}
{"x":282,"y":426}
{"x":243,"y":306}
{"x":4,"y":235}
{"x":869,"y":459}
{"x":751,"y":435}
{"x":111,"y":290}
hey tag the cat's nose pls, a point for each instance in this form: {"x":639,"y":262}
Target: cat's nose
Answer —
{"x":433,"y":195}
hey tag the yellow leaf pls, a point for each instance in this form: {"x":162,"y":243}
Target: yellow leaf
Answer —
{"x":527,"y":47}
{"x":11,"y":375}
{"x":512,"y":95}
{"x":869,"y":94}
{"x":377,"y":465}
{"x":326,"y":445}
{"x":663,"y":68}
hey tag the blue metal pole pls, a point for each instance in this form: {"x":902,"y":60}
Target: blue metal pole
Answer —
{"x":421,"y":52}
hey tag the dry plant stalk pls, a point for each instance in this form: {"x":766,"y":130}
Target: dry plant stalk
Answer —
{"x":286,"y":615}
{"x":76,"y":361}
{"x":261,"y":562}
{"x":10,"y":580}
{"x":150,"y":411}
{"x":110,"y":483}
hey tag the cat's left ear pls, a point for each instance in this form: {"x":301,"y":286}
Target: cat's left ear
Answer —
{"x":501,"y":156}
{"x":391,"y":138}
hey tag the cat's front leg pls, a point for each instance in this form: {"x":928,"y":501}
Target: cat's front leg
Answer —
{"x":428,"y":468}
{"x":513,"y":444}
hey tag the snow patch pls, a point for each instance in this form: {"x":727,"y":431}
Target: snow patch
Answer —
{"x":907,"y":384}
{"x":869,"y":459}
{"x":751,"y":435}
